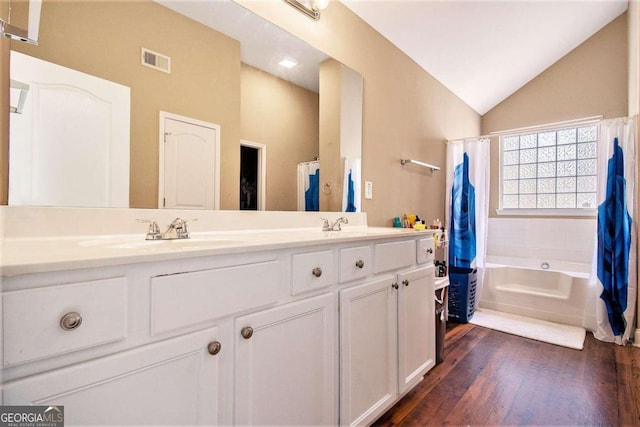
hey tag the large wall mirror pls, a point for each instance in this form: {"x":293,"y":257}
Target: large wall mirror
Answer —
{"x":220,"y":67}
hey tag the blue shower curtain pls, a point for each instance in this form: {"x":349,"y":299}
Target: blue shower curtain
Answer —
{"x":351,"y":205}
{"x":308,"y":174}
{"x":614,"y":242}
{"x":462,"y":223}
{"x":611,"y":300}
{"x":312,"y":194}
{"x":467,"y":214}
{"x":351,"y":185}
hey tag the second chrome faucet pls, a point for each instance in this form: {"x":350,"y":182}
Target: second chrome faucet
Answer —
{"x":336,"y":224}
{"x":176,"y":230}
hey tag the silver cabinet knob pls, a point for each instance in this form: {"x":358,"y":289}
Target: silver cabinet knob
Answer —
{"x":317,"y":272}
{"x":405,"y":282}
{"x":430,"y":250}
{"x":214,"y":348}
{"x":359,"y":263}
{"x":246,"y":332}
{"x":394,"y":285}
{"x":71,"y":321}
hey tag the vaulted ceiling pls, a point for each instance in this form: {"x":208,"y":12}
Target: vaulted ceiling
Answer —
{"x":485,"y":50}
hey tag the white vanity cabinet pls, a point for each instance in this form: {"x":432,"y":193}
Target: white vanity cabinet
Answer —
{"x":329,"y":332}
{"x":387,"y":336}
{"x":285,"y":364}
{"x":368,"y":350}
{"x":416,"y":326}
{"x":169,"y":382}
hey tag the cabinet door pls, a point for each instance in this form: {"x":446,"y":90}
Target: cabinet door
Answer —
{"x":171,"y":382}
{"x":285,"y":364}
{"x":416,"y":326}
{"x":368,"y":350}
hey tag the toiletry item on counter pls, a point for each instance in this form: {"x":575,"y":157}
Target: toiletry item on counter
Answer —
{"x":410,"y":220}
{"x":436,"y":224}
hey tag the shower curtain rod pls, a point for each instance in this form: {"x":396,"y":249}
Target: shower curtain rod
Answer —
{"x":621,"y":119}
{"x":585,"y":120}
{"x":309,"y":162}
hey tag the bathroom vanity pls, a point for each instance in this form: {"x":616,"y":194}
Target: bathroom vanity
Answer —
{"x":274,"y":323}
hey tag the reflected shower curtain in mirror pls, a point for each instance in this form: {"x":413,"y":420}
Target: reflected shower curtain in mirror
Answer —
{"x":467,"y":204}
{"x":309,"y":186}
{"x":613,"y":283}
{"x":351,"y":185}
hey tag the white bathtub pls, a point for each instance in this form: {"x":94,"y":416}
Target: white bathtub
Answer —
{"x":523,"y":286}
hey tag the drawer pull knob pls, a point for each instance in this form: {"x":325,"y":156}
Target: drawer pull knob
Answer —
{"x":359,"y":263}
{"x":317,"y":272}
{"x":405,"y":282}
{"x":246,"y":332}
{"x":71,"y":321}
{"x":430,"y":250}
{"x":214,"y":348}
{"x":394,"y":286}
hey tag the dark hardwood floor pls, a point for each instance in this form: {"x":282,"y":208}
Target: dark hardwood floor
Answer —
{"x":493,"y":378}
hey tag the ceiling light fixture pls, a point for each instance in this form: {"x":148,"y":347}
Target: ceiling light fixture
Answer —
{"x":288,"y":63}
{"x":310,"y":8}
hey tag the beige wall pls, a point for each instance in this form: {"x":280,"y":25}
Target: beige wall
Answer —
{"x":407,"y":113}
{"x":330,"y":121}
{"x":284,"y":117}
{"x":589,"y":81}
{"x":104,"y":39}
{"x":340,"y":128}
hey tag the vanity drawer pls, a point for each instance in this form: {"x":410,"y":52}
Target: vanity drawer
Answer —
{"x":186,"y":299}
{"x":394,"y":255}
{"x":310,"y":271}
{"x":425,"y":250}
{"x":33,"y":319}
{"x":355,"y":263}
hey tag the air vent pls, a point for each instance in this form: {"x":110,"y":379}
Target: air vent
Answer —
{"x":156,"y":60}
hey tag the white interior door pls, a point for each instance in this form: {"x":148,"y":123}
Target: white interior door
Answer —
{"x":70,"y":145}
{"x":189,"y":163}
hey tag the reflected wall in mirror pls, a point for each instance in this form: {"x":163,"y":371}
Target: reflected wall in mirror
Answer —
{"x":208,"y":82}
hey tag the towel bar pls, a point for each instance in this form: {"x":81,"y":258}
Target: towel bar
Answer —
{"x":416,"y":162}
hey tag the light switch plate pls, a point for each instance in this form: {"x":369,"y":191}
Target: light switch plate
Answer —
{"x":368,"y":190}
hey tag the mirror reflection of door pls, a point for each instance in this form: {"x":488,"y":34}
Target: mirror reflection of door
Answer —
{"x":70,"y":143}
{"x":189,"y":163}
{"x":252,"y":176}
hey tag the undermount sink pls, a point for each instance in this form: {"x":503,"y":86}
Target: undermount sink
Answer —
{"x":172,"y":244}
{"x":139,"y":243}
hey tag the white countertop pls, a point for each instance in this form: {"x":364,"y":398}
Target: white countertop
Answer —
{"x":47,"y":254}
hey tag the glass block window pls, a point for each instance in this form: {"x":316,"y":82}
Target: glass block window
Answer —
{"x":554,"y":169}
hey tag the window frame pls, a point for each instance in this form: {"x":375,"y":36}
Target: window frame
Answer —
{"x":537,"y":130}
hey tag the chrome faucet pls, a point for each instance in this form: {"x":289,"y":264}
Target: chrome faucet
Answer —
{"x":176,"y":230}
{"x":153,"y":233}
{"x":336,"y":224}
